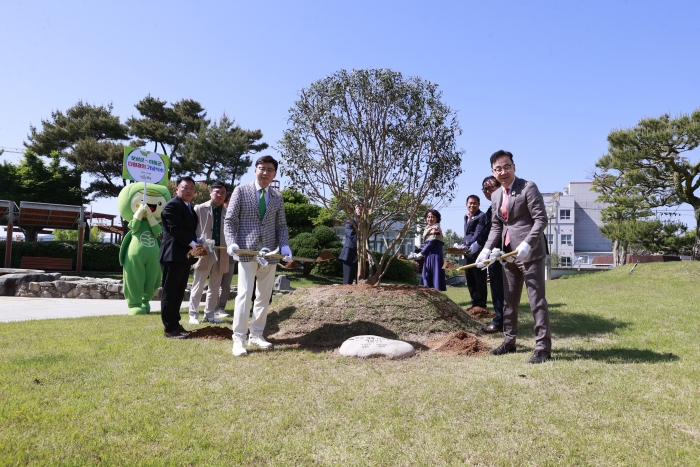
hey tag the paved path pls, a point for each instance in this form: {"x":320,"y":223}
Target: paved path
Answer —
{"x":26,"y":308}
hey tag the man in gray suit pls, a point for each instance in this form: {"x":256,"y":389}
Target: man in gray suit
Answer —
{"x":255,"y":220}
{"x":210,"y":227}
{"x":519,"y":219}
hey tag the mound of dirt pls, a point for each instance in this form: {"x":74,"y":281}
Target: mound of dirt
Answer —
{"x":459,"y":343}
{"x":480,"y":313}
{"x":211,"y":332}
{"x":325,"y":316}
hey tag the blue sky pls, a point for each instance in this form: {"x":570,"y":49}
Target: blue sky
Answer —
{"x":546,"y":80}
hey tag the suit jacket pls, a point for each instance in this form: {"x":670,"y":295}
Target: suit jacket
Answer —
{"x":179,"y":226}
{"x":527,"y":219}
{"x":204,"y":230}
{"x":244,"y":227}
{"x":349,"y":251}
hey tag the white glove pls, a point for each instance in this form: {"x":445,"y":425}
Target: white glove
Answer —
{"x":230,"y":251}
{"x":411,"y":256}
{"x":483,"y":256}
{"x":209,"y":244}
{"x":193,"y":244}
{"x":261,"y":261}
{"x":473,"y":247}
{"x":141,"y":212}
{"x":151,"y":218}
{"x":287,"y":253}
{"x":418,"y":256}
{"x":522,"y":250}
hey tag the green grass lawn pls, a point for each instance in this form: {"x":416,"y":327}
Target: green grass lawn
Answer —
{"x":624,"y":389}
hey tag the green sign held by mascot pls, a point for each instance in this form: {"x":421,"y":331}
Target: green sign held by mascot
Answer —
{"x":138,"y":254}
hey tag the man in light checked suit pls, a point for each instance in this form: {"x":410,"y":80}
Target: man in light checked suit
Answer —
{"x":255,"y":220}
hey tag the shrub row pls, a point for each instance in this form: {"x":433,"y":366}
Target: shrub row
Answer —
{"x":96,"y":256}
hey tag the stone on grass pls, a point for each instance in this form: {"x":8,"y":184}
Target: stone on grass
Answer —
{"x":375,"y":346}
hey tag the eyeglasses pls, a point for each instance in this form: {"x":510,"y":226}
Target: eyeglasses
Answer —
{"x":269,"y":171}
{"x":489,"y":188}
{"x":505,"y":168}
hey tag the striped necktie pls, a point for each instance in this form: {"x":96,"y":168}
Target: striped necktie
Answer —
{"x":504,"y":213}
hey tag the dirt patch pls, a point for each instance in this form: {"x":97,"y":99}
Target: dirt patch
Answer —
{"x":325,"y":255}
{"x":478,"y":312}
{"x":211,"y":332}
{"x":460,"y":343}
{"x":325,"y":316}
{"x":449,"y":265}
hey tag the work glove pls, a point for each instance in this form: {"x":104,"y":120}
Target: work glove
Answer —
{"x":287,"y":253}
{"x":473,"y":247}
{"x":419,"y":256}
{"x":230,"y":250}
{"x":483,"y":256}
{"x":522,"y":250}
{"x":208,"y":244}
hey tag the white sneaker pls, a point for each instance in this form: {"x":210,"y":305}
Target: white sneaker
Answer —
{"x":238,"y":348}
{"x":193,"y":320}
{"x":259,"y":341}
{"x":212,"y":320}
{"x":222,"y":314}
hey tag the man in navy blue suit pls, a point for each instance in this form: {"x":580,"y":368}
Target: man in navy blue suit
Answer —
{"x":179,"y":224}
{"x":476,"y":227}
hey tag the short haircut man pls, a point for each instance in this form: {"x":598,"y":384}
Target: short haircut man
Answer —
{"x":213,"y":266}
{"x":519,"y":219}
{"x":255,"y":221}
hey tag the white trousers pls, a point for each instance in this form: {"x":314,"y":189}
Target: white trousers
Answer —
{"x":200,"y":277}
{"x":247,"y":272}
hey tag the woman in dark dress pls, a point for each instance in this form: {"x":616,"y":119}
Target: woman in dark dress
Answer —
{"x":433,"y":274}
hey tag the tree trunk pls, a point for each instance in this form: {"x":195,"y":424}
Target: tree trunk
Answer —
{"x":696,"y":248}
{"x":623,"y":254}
{"x":616,"y":253}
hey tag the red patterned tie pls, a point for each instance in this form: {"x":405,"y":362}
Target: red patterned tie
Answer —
{"x":504,"y":213}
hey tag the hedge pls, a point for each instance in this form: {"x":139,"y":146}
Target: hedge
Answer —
{"x":96,"y":256}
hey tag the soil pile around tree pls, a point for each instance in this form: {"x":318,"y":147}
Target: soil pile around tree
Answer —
{"x":211,"y":332}
{"x":325,"y":316}
{"x":480,"y":313}
{"x":460,"y":343}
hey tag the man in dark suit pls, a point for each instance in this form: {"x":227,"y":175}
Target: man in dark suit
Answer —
{"x":475,"y":224}
{"x":179,"y":224}
{"x":519,"y":219}
{"x":348,"y":255}
{"x":488,"y":186}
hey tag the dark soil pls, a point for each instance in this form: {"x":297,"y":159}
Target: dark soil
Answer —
{"x":325,"y":316}
{"x":478,"y":312}
{"x":460,"y":343}
{"x":211,"y":332}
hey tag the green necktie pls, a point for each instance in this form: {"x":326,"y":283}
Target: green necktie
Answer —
{"x":261,"y":204}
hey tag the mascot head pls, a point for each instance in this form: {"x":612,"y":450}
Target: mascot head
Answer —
{"x":131,"y":197}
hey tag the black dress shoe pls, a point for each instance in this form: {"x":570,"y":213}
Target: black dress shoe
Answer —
{"x":176,"y":334}
{"x":503,"y":349}
{"x":182,"y":330}
{"x":491,"y":329}
{"x":540,"y":356}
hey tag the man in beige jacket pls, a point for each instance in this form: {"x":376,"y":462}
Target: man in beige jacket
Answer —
{"x":210,"y":227}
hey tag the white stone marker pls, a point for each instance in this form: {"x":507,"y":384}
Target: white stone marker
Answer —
{"x":375,"y":346}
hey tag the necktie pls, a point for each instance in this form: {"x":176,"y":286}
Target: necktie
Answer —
{"x":504,"y":213}
{"x":262,"y":207}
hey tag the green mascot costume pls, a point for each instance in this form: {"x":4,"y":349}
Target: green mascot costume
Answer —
{"x":138,"y":254}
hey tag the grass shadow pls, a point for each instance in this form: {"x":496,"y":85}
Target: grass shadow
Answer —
{"x":570,"y":324}
{"x":617,"y":355}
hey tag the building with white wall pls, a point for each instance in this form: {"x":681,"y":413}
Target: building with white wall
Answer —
{"x":574,"y":218}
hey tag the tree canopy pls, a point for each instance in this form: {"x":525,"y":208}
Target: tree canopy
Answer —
{"x":646,"y":167}
{"x":376,"y":137}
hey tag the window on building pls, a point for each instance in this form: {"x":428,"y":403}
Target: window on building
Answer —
{"x":566,"y":239}
{"x":564,"y":214}
{"x":584,"y":259}
{"x":550,"y":238}
{"x":565,"y":260}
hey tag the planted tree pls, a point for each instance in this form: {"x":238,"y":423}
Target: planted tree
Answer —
{"x":374,"y":136}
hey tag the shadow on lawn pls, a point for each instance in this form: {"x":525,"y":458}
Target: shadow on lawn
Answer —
{"x":617,"y":355}
{"x":568,"y":324}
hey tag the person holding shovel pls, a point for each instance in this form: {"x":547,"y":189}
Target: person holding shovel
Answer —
{"x":433,"y":275}
{"x":255,"y":220}
{"x":519,"y":219}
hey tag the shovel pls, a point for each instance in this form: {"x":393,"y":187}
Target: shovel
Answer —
{"x":450,"y":266}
